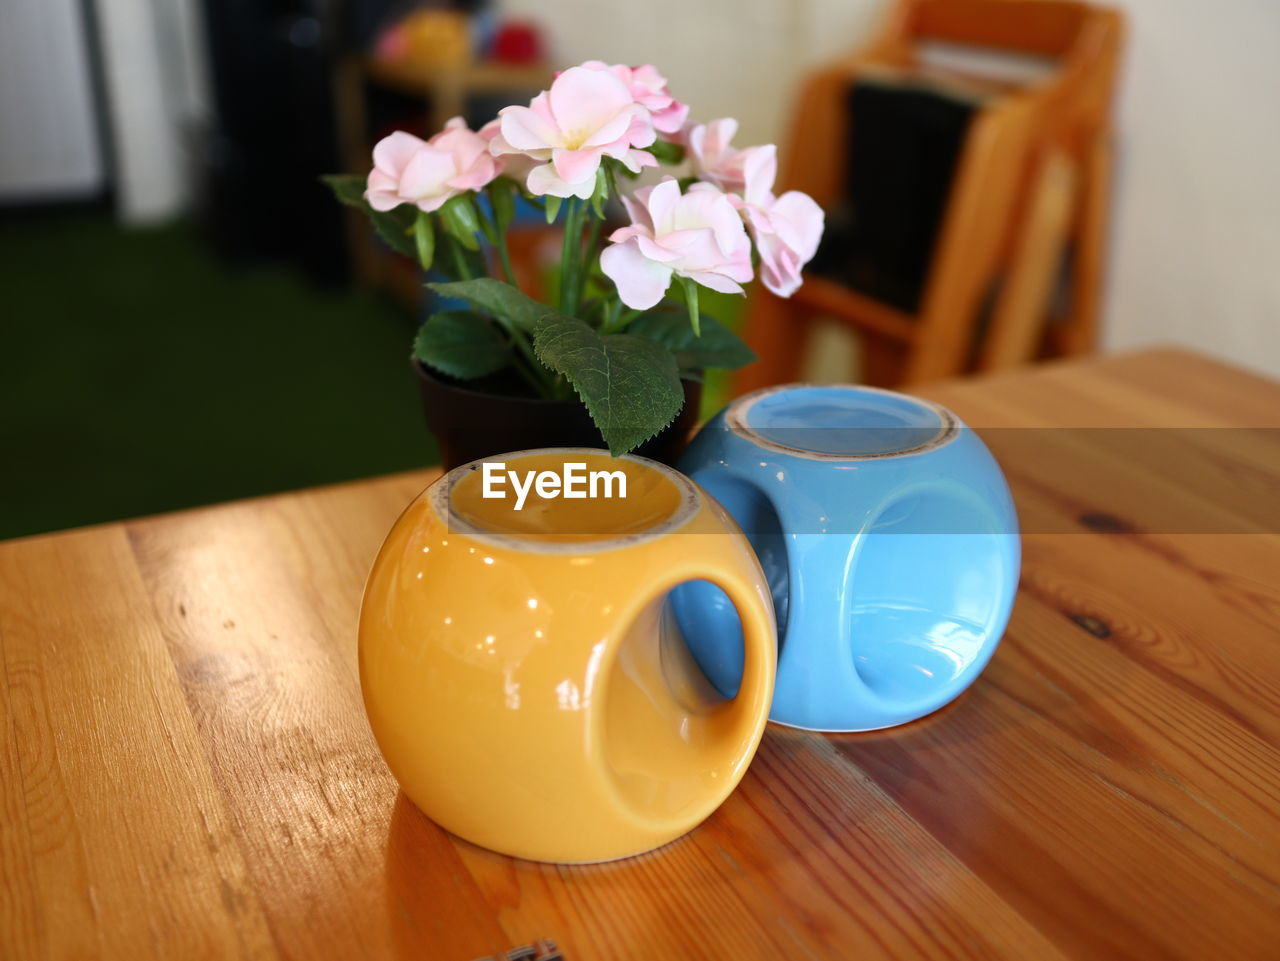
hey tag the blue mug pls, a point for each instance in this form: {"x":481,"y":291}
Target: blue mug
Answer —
{"x":889,"y":539}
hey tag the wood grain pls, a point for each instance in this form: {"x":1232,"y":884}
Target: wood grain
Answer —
{"x":186,"y":772}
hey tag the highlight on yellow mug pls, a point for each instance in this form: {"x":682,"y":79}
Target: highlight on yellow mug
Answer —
{"x":522,"y":670}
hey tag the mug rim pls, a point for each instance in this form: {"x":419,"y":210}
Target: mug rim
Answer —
{"x":737,"y":411}
{"x":441,"y":500}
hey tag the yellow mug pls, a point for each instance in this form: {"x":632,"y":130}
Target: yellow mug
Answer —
{"x":523,"y":673}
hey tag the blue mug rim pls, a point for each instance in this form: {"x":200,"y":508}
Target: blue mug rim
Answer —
{"x":738,"y":411}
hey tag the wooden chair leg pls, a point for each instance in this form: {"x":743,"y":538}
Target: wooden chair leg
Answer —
{"x":1022,"y":307}
{"x":1079,"y":333}
{"x":776,"y":330}
{"x":980,"y":211}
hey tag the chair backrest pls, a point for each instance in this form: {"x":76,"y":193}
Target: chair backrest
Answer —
{"x":1076,"y":97}
{"x":1061,"y":113}
{"x":1046,"y":27}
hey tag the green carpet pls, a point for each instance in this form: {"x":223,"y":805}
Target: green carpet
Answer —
{"x":140,"y":375}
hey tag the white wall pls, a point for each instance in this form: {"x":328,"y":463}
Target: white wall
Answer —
{"x":739,"y":58}
{"x":48,"y":134}
{"x":1196,"y":230}
{"x":153,"y":76}
{"x":154,"y":88}
{"x":1196,"y":255}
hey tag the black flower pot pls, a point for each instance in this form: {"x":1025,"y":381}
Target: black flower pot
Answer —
{"x":476,"y":419}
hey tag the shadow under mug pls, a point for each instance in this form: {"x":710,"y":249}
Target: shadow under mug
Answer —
{"x":523,"y":673}
{"x":889,"y":539}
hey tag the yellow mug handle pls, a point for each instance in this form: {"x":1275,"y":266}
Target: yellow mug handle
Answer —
{"x":671,"y":747}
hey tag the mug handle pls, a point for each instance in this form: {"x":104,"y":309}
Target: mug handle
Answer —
{"x":812,"y":635}
{"x":754,"y":607}
{"x":660,"y":719}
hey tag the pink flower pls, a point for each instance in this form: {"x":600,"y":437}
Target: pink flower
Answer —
{"x":408,"y":170}
{"x":587,"y":115}
{"x":714,"y":159}
{"x":649,"y":89}
{"x":786,"y":229}
{"x":511,"y":163}
{"x":698,"y":235}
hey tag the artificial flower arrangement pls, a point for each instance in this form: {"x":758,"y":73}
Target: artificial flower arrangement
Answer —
{"x":617,"y":335}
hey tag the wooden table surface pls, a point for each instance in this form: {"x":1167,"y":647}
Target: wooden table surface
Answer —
{"x":186,"y":771}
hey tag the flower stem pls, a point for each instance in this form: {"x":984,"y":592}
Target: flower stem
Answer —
{"x":504,"y":257}
{"x":691,"y":300}
{"x":612,"y":178}
{"x":495,"y":232}
{"x":532,"y":369}
{"x":592,"y":254}
{"x":616,"y":319}
{"x":459,"y":261}
{"x":570,"y":254}
{"x":540,"y":388}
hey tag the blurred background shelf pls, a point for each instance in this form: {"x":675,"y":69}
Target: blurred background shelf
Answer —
{"x":448,"y":89}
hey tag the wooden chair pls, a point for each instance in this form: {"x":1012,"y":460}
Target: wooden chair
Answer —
{"x":1031,"y":181}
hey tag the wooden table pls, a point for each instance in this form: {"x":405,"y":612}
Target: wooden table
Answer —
{"x":186,"y":770}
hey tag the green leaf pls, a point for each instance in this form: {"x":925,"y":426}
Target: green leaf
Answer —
{"x":666,"y":152}
{"x":718,"y":347}
{"x":601,"y":193}
{"x":461,"y":344}
{"x":502,"y":197}
{"x":460,"y":218}
{"x":497,"y":298}
{"x":395,"y":226}
{"x":631,"y":385}
{"x":553,"y":208}
{"x":348,"y":188}
{"x":424,"y":236}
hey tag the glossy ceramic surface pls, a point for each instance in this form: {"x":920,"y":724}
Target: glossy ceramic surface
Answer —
{"x":889,"y":539}
{"x":525,"y":677}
